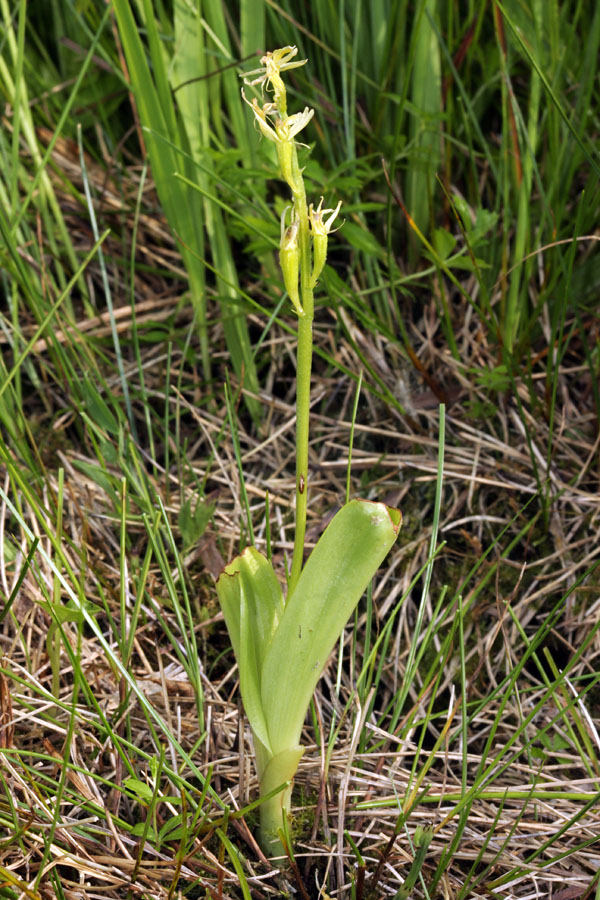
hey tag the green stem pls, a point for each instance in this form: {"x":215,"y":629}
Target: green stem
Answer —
{"x":303,"y":372}
{"x":273,"y":772}
{"x":271,"y":822}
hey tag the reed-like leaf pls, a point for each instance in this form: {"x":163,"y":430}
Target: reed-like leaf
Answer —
{"x":172,"y":98}
{"x":425,"y":124}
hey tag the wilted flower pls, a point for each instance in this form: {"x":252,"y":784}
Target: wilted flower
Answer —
{"x":274,"y":62}
{"x":317,"y":222}
{"x":287,"y":129}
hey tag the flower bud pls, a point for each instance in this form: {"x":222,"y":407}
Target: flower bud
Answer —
{"x":289,"y":260}
{"x":319,"y":256}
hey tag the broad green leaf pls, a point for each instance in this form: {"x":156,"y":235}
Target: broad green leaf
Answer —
{"x":249,"y":659}
{"x":252,"y":603}
{"x":337,"y":572}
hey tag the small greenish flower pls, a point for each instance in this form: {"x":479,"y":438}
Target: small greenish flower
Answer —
{"x":282,"y":131}
{"x":273,"y":63}
{"x":287,"y":129}
{"x":273,"y":126}
{"x":320,"y":228}
{"x":289,"y":258}
{"x":261,"y":114}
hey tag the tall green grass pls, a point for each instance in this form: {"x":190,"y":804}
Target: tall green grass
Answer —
{"x":496,"y":102}
{"x":176,"y":84}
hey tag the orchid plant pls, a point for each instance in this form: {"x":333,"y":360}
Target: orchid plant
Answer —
{"x":282,"y":642}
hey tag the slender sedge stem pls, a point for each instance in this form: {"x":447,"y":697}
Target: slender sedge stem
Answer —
{"x":303,"y":373}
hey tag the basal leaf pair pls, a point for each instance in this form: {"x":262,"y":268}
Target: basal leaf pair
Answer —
{"x":282,"y":647}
